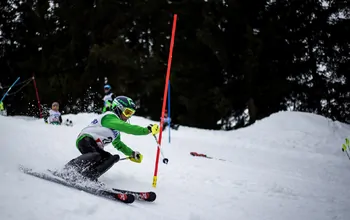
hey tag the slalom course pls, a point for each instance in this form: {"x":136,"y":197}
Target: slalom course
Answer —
{"x":287,"y":166}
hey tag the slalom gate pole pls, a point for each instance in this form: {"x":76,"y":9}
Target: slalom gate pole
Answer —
{"x":154,"y":183}
{"x":2,"y":99}
{"x":169,"y":109}
{"x":37,"y":97}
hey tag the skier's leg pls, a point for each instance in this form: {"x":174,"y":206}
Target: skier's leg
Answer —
{"x":87,"y":145}
{"x":97,"y":165}
{"x":88,"y":148}
{"x":84,"y":161}
{"x":94,"y":161}
{"x":106,"y":164}
{"x":106,"y":161}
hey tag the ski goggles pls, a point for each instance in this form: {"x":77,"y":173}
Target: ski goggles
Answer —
{"x":128,"y":112}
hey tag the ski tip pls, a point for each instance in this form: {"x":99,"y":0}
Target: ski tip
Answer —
{"x":126,"y":198}
{"x":152,"y":196}
{"x":142,"y":196}
{"x":147,"y":196}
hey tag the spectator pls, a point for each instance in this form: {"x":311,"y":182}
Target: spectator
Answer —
{"x":167,"y":121}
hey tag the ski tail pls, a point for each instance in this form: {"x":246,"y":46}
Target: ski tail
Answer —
{"x":115,"y":196}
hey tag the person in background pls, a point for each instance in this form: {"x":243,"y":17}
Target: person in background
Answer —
{"x":54,"y":115}
{"x":167,"y":122}
{"x":2,"y":108}
{"x":108,"y":98}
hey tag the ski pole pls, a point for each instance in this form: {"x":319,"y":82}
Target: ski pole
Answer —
{"x":347,"y":154}
{"x":125,"y":158}
{"x":165,"y":160}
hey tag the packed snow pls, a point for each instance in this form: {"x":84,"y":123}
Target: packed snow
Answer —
{"x":287,"y":166}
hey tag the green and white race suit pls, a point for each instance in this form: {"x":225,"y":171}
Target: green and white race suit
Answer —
{"x":106,"y":128}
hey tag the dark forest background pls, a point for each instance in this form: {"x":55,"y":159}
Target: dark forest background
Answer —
{"x":231,"y":59}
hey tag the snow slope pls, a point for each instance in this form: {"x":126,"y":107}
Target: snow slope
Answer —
{"x":288,"y":166}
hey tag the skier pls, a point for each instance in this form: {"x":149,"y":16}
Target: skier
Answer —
{"x":54,"y":116}
{"x":105,"y":129}
{"x":108,"y":98}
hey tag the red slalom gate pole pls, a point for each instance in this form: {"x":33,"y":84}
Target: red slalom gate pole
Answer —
{"x":154,"y":184}
{"x":37,"y":97}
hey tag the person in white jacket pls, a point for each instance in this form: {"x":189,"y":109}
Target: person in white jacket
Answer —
{"x":54,"y":115}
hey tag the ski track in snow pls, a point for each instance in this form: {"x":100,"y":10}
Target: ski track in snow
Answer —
{"x":288,"y":166}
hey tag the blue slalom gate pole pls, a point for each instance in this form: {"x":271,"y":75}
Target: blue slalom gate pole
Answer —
{"x":169,"y":108}
{"x":9,"y":89}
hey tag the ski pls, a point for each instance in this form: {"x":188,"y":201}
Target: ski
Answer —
{"x":144,"y":196}
{"x":115,"y":196}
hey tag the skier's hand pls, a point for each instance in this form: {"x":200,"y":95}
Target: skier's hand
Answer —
{"x":136,"y":157}
{"x":154,"y":129}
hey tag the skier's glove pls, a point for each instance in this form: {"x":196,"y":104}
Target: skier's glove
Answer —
{"x":136,"y":157}
{"x":154,"y":129}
